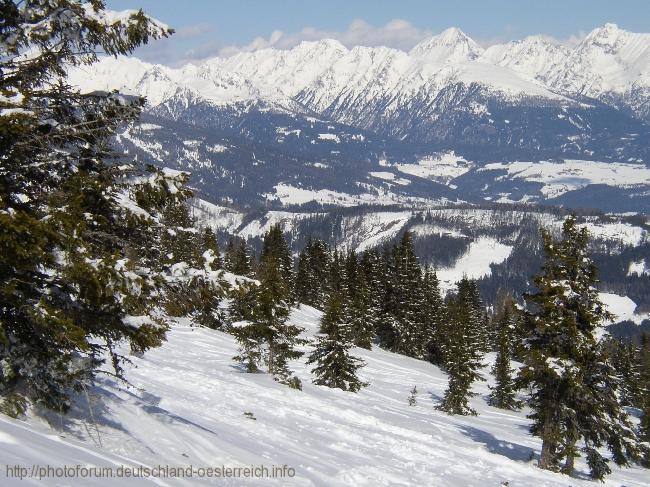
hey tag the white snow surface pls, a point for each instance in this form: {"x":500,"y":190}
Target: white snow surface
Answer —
{"x":187,"y":405}
{"x":623,"y":308}
{"x":475,"y":263}
{"x":215,"y":216}
{"x":288,"y":194}
{"x":625,"y":233}
{"x":389,"y":176}
{"x":378,"y":227}
{"x":638,"y":268}
{"x":441,"y":167}
{"x":561,"y":177}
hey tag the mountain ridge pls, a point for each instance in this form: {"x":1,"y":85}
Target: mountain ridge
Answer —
{"x":338,"y":116}
{"x":534,"y":63}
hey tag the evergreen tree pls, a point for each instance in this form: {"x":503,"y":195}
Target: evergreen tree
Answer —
{"x":72,"y":270}
{"x":337,"y":282}
{"x":574,"y":387}
{"x":432,"y":316}
{"x":268,"y":336}
{"x":372,"y":273}
{"x":642,"y":363}
{"x":358,"y":303}
{"x":242,"y":297}
{"x":210,"y":245}
{"x":238,"y":259}
{"x":275,"y":248}
{"x":312,"y":274}
{"x":504,"y":392}
{"x":402,"y":328}
{"x":413,"y":396}
{"x":411,"y":333}
{"x":180,"y":242}
{"x":335,"y":367}
{"x":625,"y":360}
{"x":462,"y":350}
{"x":191,"y":260}
{"x":387,"y":327}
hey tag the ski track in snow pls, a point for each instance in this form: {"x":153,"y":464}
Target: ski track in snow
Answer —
{"x":188,"y":408}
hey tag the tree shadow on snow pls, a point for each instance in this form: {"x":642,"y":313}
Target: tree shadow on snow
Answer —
{"x":91,"y":410}
{"x":435,"y":397}
{"x":513,"y":451}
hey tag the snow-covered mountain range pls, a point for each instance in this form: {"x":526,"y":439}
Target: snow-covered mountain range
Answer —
{"x":326,"y":77}
{"x":322,"y":117}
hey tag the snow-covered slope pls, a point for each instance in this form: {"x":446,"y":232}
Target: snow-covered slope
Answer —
{"x":475,"y":263}
{"x":450,"y":46}
{"x":188,"y":405}
{"x":534,"y":56}
{"x":559,"y":178}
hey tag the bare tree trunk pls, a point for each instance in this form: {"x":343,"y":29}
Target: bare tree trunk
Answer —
{"x":271,"y":358}
{"x":569,"y":463}
{"x":547,"y":457}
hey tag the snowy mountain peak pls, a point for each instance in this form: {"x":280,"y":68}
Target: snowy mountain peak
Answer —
{"x":606,"y":35}
{"x":451,"y":45}
{"x":323,"y":45}
{"x":453,"y":35}
{"x":610,"y":39}
{"x":535,"y":56}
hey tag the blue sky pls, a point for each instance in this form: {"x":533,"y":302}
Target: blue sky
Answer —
{"x":212,"y":27}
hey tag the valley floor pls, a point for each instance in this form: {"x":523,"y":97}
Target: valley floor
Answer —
{"x":188,"y":402}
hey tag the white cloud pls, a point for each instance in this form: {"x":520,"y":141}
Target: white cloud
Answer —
{"x":397,"y":33}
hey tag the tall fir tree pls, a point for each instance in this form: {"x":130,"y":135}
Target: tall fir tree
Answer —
{"x":574,"y":387}
{"x":359,"y":303}
{"x":387,"y":327}
{"x":504,"y":392}
{"x":242,"y":297}
{"x":642,"y":366}
{"x":268,"y":337}
{"x":238,"y":258}
{"x":372,"y":275}
{"x":463,"y":348}
{"x":432,"y":316}
{"x":275,"y":248}
{"x":72,"y":271}
{"x":335,"y":367}
{"x":180,"y":242}
{"x":312,"y":274}
{"x":625,"y":360}
{"x":403,"y":331}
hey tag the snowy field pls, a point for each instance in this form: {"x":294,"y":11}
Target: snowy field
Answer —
{"x":442,"y":167}
{"x":187,"y":405}
{"x":623,"y":308}
{"x":475,"y":263}
{"x":561,"y":177}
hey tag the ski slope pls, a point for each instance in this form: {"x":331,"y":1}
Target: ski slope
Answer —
{"x":187,"y":405}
